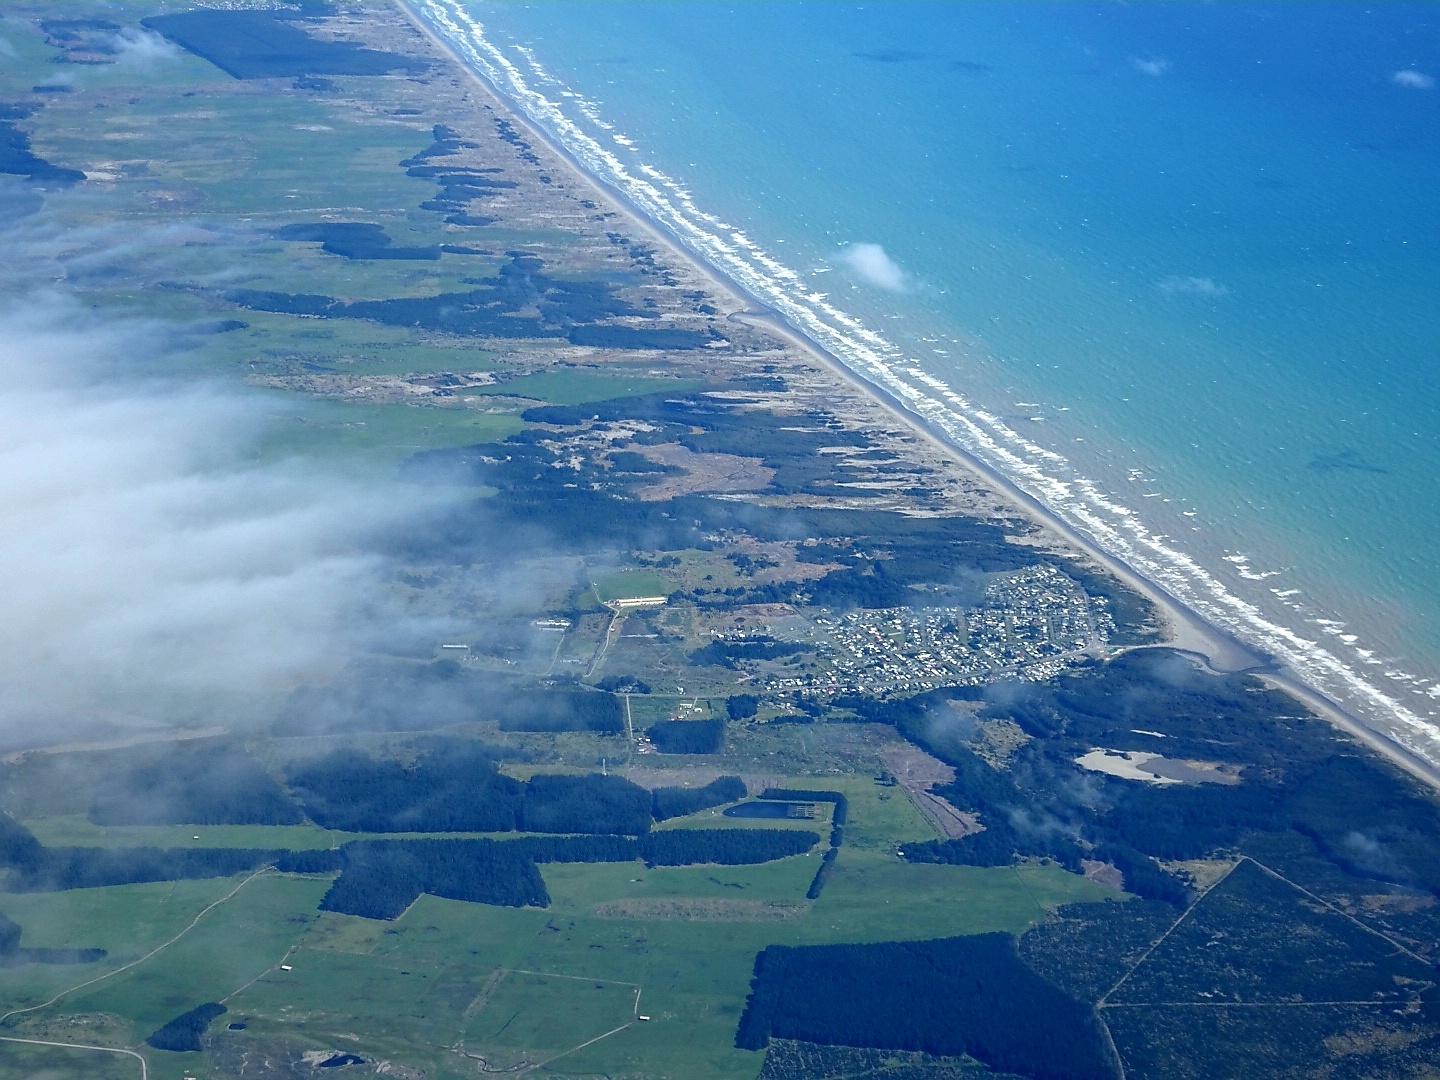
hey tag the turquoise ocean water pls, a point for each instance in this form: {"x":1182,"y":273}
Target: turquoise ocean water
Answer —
{"x":1174,"y":268}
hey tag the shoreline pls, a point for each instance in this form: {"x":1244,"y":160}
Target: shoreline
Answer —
{"x":1185,"y":630}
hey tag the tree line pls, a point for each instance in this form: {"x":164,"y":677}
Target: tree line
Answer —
{"x":970,"y":996}
{"x":379,"y":879}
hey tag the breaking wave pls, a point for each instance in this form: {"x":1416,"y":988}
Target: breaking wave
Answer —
{"x":1324,"y":655}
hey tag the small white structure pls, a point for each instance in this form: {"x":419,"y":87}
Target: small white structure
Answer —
{"x":632,"y":602}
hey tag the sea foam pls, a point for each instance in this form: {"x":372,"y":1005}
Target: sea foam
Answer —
{"x":1332,"y":668}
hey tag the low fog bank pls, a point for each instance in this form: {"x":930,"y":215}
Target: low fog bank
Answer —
{"x":154,"y":574}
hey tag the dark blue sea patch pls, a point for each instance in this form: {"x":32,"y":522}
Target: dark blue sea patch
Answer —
{"x":266,"y":45}
{"x":1346,"y":460}
{"x":889,"y":56}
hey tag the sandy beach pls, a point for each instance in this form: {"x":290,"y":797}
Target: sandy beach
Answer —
{"x":1185,"y":630}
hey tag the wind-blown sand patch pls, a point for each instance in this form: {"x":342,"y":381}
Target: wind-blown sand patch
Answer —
{"x":1152,"y":769}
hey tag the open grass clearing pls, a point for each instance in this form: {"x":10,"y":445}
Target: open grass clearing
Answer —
{"x":326,"y":428}
{"x":21,"y":1062}
{"x":125,"y":920}
{"x":630,"y":585}
{"x":573,"y":387}
{"x":400,"y":991}
{"x":234,"y":943}
{"x":528,"y":1017}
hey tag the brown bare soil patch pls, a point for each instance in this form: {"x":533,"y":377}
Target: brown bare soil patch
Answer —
{"x":703,"y":473}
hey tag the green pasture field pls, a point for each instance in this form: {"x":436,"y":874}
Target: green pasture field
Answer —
{"x":646,"y":709}
{"x":275,"y":343}
{"x":19,"y":1062}
{"x":527,"y":1016}
{"x":629,"y":584}
{"x":403,"y":1003}
{"x":76,"y":830}
{"x":446,"y":977}
{"x":338,"y":430}
{"x":127,"y":921}
{"x":232,"y":945}
{"x":442,"y":977}
{"x":28,"y":59}
{"x":572,"y":387}
{"x":715,"y":819}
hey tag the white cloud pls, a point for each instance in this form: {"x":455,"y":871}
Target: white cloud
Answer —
{"x":137,"y":54}
{"x":154,"y":572}
{"x":871,"y":263}
{"x":1191,"y":286}
{"x":143,"y":49}
{"x":1154,"y":66}
{"x":1413,"y":80}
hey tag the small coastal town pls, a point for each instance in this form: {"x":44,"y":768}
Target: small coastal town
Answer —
{"x":458,"y":628}
{"x":1031,"y":624}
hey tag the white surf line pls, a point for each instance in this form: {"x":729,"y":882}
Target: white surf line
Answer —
{"x":144,"y":1068}
{"x":1045,"y":476}
{"x":136,"y":963}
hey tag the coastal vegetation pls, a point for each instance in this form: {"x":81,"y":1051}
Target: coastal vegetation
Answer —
{"x":453,"y":837}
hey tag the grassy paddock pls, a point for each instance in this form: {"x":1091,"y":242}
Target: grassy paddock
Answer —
{"x":529,"y":1016}
{"x":571,"y":387}
{"x":20,"y":1062}
{"x":630,"y":584}
{"x":332,"y":429}
{"x":232,"y":945}
{"x":415,"y":990}
{"x":126,"y":920}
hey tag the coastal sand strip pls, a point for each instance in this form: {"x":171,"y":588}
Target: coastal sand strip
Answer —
{"x":1186,"y":629}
